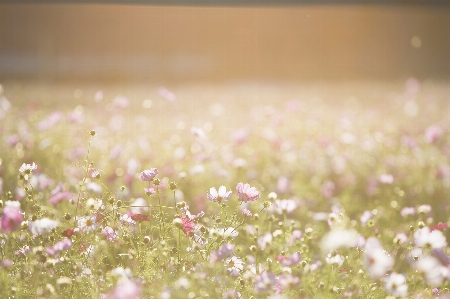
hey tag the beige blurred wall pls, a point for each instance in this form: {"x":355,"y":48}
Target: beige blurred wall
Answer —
{"x":93,"y":41}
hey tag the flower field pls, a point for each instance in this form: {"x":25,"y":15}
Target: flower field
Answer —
{"x":240,"y":190}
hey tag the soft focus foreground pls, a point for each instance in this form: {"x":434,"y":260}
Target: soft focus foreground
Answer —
{"x":246,"y":190}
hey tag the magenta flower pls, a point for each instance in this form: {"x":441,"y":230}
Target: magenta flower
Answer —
{"x":11,"y":219}
{"x":247,"y":193}
{"x":149,"y":174}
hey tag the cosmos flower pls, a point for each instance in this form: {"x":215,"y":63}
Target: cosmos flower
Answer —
{"x":377,"y":261}
{"x":234,"y":265}
{"x":284,"y":206}
{"x":11,"y":218}
{"x":109,"y":233}
{"x":126,"y":289}
{"x":396,"y":285}
{"x":221,"y":253}
{"x":247,"y":193}
{"x":42,"y":226}
{"x":219,"y":196}
{"x":87,"y":223}
{"x":149,"y":174}
{"x":247,"y":212}
{"x":424,"y":237}
{"x":264,"y":282}
{"x":28,"y":167}
{"x":432,"y":270}
{"x":335,"y":259}
{"x":290,"y":259}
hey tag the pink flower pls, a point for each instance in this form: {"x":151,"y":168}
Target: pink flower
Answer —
{"x":188,"y":225}
{"x":247,"y":213}
{"x":328,"y":189}
{"x":289,"y":260}
{"x":59,"y":246}
{"x":247,"y":193}
{"x":283,"y":185}
{"x":221,"y":253}
{"x":11,"y":219}
{"x":149,"y":191}
{"x":149,"y":174}
{"x":126,"y":290}
{"x":109,"y":234}
{"x":56,"y":198}
{"x":433,"y":133}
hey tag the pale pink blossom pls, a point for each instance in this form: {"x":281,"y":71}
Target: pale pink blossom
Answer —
{"x":396,"y":285}
{"x":247,"y":193}
{"x":126,"y":289}
{"x":11,"y":219}
{"x":149,"y":174}
{"x":109,"y":233}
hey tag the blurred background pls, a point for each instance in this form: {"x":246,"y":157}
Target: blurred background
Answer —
{"x":157,"y":44}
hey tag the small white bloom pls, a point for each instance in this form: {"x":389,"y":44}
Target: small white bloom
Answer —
{"x":338,"y":238}
{"x":264,"y":241}
{"x":426,"y":238}
{"x":87,"y":223}
{"x":42,"y":226}
{"x":219,"y":196}
{"x":432,"y":270}
{"x":377,"y":261}
{"x":234,"y":265}
{"x":28,"y":167}
{"x":139,"y":206}
{"x":336,"y":259}
{"x":396,"y":285}
{"x":284,"y":206}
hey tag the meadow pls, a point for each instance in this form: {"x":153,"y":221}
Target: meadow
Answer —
{"x":237,"y":190}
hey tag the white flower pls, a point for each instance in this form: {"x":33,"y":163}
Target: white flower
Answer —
{"x":423,"y":209}
{"x":42,"y":226}
{"x":234,"y":265}
{"x":426,"y":238}
{"x":336,"y":259}
{"x":396,"y":285}
{"x":28,"y":167}
{"x":127,"y":219}
{"x":264,"y":241}
{"x":219,"y":196}
{"x":139,"y":206}
{"x":432,"y":270}
{"x":12,"y":203}
{"x":87,"y":223}
{"x":284,"y":206}
{"x":95,"y":204}
{"x":122,"y":273}
{"x":338,"y":238}
{"x":225,"y":233}
{"x":376,"y":259}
